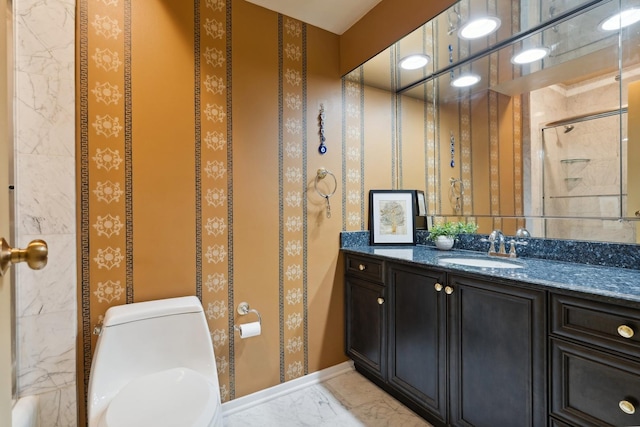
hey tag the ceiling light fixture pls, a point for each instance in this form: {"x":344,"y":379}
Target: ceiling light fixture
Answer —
{"x":528,"y":56}
{"x":413,"y":62}
{"x":465,"y":80}
{"x":479,"y":27}
{"x":620,"y":20}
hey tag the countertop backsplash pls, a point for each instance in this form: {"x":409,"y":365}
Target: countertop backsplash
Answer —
{"x":577,"y":251}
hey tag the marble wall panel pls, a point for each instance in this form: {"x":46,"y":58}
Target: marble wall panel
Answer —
{"x":45,"y":204}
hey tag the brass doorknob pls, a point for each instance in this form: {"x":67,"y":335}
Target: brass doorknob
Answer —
{"x":438,"y":287}
{"x":35,"y":255}
{"x":380,"y":300}
{"x":448,"y":290}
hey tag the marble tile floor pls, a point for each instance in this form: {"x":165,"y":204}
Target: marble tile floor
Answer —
{"x":347,"y":400}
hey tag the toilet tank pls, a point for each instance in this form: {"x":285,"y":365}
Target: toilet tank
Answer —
{"x":143,"y":338}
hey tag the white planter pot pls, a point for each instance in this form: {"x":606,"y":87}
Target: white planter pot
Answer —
{"x":444,"y":243}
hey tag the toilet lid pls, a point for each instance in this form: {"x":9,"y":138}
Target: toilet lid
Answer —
{"x":177,"y":397}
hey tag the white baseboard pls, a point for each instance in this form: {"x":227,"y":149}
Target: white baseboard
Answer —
{"x":271,"y":393}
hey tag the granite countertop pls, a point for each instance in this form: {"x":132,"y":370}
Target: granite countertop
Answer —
{"x":609,"y":282}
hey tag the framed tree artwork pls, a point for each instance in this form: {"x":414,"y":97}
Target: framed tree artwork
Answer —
{"x":392,"y":217}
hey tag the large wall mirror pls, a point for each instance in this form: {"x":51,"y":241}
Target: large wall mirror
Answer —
{"x":534,"y":123}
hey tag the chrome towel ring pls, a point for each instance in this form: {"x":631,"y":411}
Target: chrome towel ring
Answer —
{"x":320,"y":175}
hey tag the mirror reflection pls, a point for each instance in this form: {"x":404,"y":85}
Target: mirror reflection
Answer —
{"x":530,"y":124}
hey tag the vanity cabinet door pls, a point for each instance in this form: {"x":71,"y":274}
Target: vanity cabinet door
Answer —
{"x":497,"y":354}
{"x":366,"y":325}
{"x":593,"y":388}
{"x":417,"y":337}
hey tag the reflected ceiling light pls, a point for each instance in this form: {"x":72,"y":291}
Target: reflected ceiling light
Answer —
{"x":530,"y":55}
{"x":479,"y":27}
{"x":413,"y":62}
{"x":465,"y":80}
{"x":620,"y":20}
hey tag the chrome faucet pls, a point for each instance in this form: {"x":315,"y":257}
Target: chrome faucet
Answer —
{"x":497,"y":236}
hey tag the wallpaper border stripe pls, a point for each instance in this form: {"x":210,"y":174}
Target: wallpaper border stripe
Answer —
{"x":84,"y":200}
{"x":280,"y":195}
{"x":305,"y":202}
{"x":230,"y":282}
{"x":198,"y":144}
{"x":128,"y":152}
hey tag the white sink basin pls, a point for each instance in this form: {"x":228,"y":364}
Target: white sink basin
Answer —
{"x":481,"y":262}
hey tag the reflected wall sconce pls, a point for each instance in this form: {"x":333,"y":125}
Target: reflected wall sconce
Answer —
{"x":530,"y":55}
{"x":620,"y":20}
{"x":465,"y":80}
{"x":413,"y":62}
{"x":479,"y":27}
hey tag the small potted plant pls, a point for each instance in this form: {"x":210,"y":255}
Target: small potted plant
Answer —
{"x":445,"y":234}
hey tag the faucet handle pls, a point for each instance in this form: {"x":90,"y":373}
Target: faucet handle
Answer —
{"x":513,"y":243}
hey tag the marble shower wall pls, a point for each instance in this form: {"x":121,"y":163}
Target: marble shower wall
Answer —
{"x":581,"y":163}
{"x":45,"y":204}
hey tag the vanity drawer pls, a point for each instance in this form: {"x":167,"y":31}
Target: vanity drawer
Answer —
{"x":593,"y":388}
{"x":364,"y":268}
{"x":614,"y":327}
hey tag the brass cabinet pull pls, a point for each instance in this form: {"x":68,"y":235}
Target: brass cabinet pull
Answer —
{"x":627,"y":407}
{"x":362,"y":267}
{"x":448,"y":290}
{"x":35,"y":255}
{"x":625,"y":331}
{"x":380,"y":300}
{"x":438,"y":287}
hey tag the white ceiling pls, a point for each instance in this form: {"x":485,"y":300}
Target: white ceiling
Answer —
{"x":335,"y":16}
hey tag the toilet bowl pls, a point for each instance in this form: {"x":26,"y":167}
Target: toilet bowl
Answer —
{"x":154,"y":366}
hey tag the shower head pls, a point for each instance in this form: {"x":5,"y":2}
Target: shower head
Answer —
{"x":568,"y":128}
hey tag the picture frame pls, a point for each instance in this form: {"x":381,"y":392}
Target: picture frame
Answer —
{"x":421,"y":210}
{"x":392,"y":217}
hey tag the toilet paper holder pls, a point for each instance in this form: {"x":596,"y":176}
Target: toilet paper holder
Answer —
{"x":243,"y":310}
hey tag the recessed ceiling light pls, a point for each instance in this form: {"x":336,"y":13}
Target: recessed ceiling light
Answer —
{"x":479,"y":27}
{"x":413,"y":62}
{"x":530,"y":55}
{"x":620,"y":20}
{"x":465,"y":80}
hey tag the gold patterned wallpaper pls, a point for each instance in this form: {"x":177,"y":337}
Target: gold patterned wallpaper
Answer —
{"x":214,"y":213}
{"x":353,"y":155}
{"x":197,"y":151}
{"x":292,"y":54}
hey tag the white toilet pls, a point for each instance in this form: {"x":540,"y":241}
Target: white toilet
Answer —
{"x":154,"y":366}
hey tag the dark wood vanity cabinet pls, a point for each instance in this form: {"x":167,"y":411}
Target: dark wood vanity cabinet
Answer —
{"x":365,"y":314}
{"x":595,"y":363}
{"x":417,"y":338}
{"x":497,"y":354}
{"x":458,"y":351}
